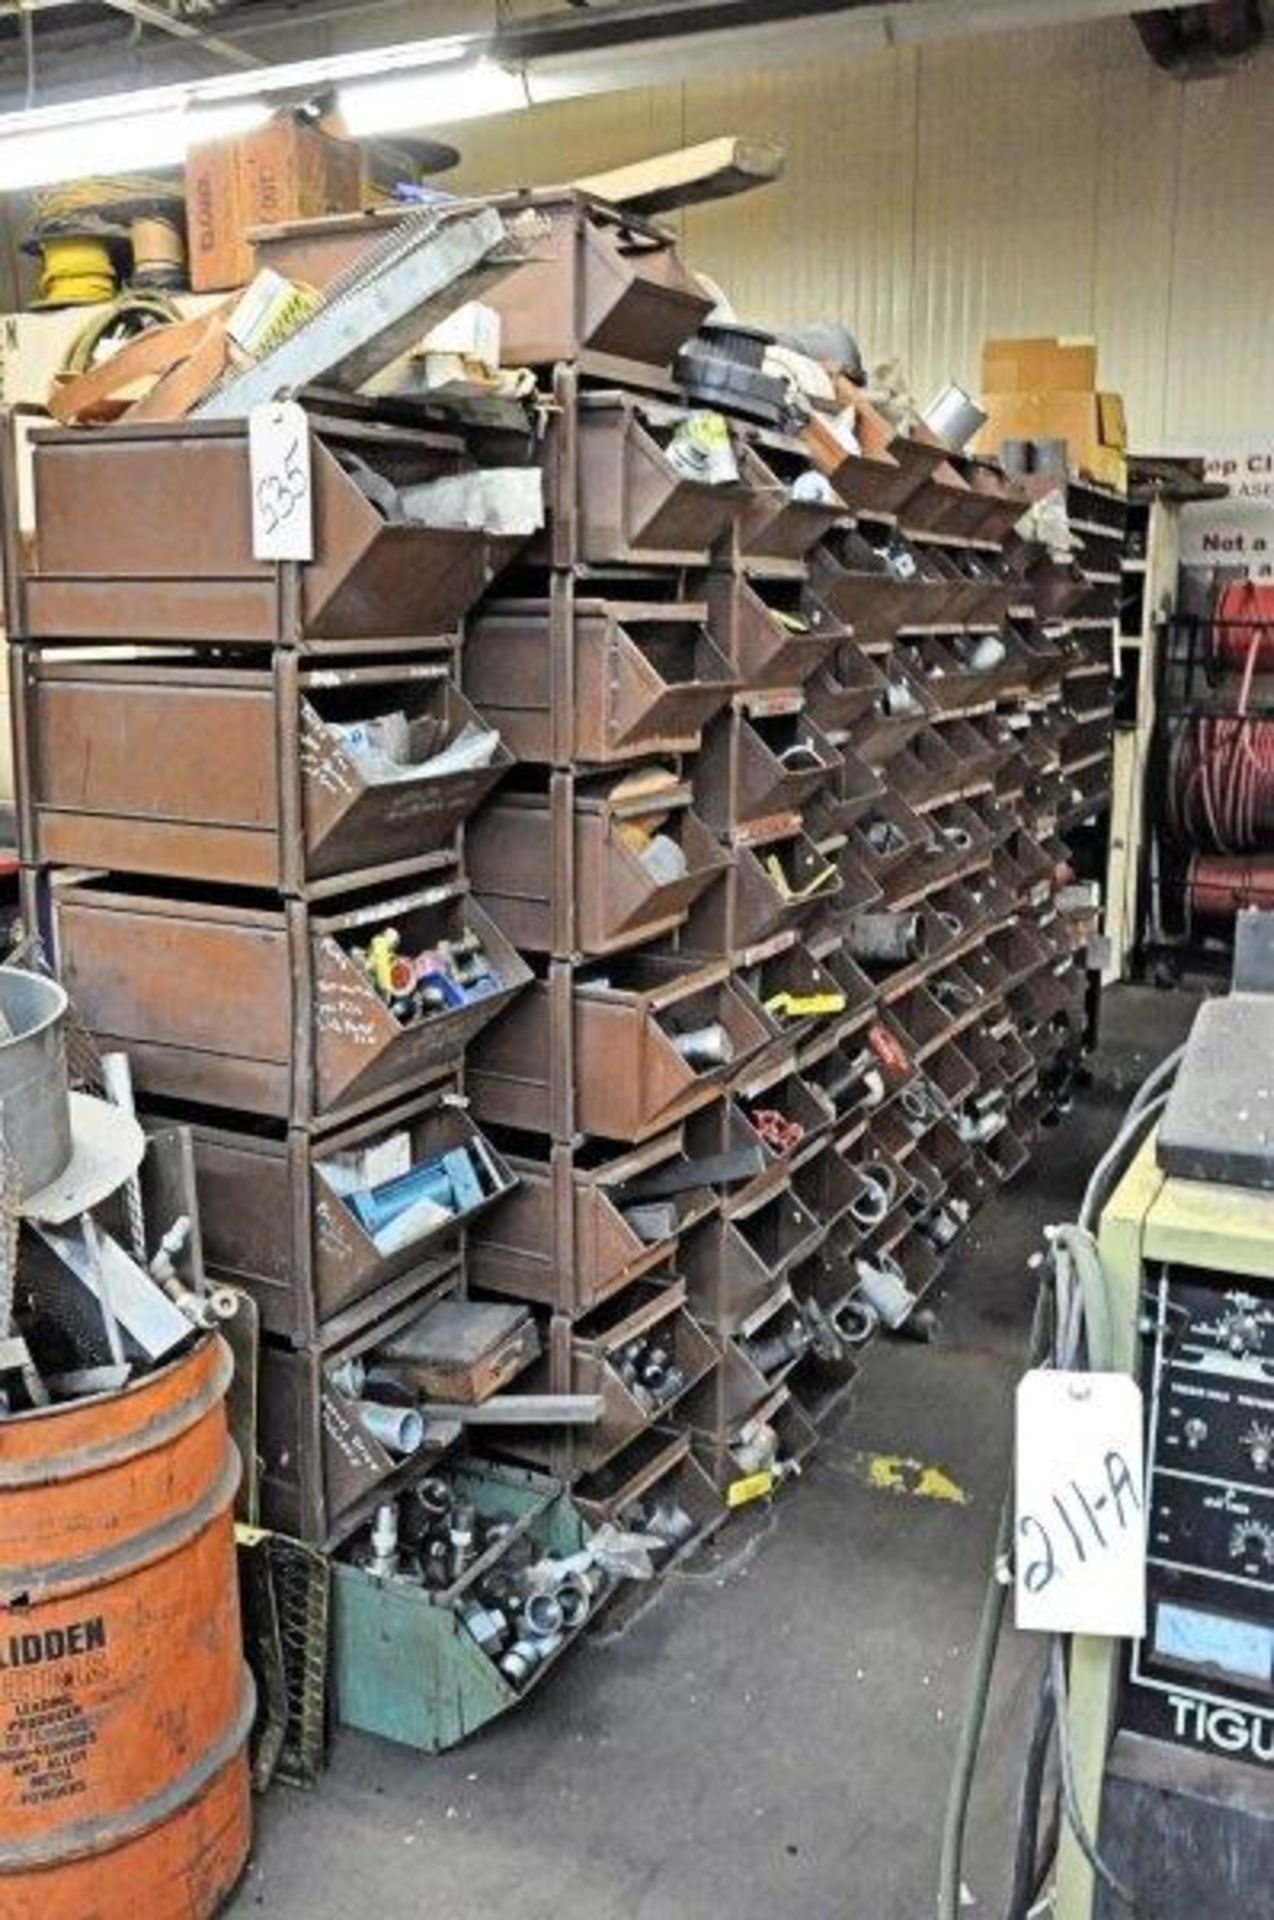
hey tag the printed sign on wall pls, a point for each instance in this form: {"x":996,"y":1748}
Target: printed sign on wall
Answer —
{"x":1237,"y":532}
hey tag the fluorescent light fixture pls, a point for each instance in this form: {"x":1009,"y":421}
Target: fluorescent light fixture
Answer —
{"x":427,"y":83}
{"x":127,"y":143}
{"x":425,"y":99}
{"x":154,"y":126}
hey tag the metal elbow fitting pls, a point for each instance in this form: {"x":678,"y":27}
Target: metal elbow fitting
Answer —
{"x":542,"y":1614}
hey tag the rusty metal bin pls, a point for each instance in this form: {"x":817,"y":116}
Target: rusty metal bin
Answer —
{"x":857,"y":586}
{"x":734,"y":1266}
{"x":786,"y":986}
{"x":613,"y":1043}
{"x":946,"y":503}
{"x":144,"y":533}
{"x":1003,"y":501}
{"x":853,"y":789}
{"x":877,"y":478}
{"x":657,"y":1466}
{"x":760,"y":763}
{"x":843,"y":687}
{"x":776,"y":527}
{"x":233,"y":774}
{"x":322,"y":1470}
{"x":563,"y":1237}
{"x":634,"y":504}
{"x":275,"y":1224}
{"x":727,"y":1451}
{"x":602,"y":282}
{"x":599,"y":681}
{"x":770,"y":892}
{"x":737,"y":1124}
{"x":773,"y":632}
{"x":246,"y":1002}
{"x":650,"y":1308}
{"x":562,"y":875}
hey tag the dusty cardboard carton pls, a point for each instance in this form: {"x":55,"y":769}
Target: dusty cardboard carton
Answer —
{"x":1111,"y":424}
{"x":1083,"y":420}
{"x":287,"y":170}
{"x":1039,"y":364}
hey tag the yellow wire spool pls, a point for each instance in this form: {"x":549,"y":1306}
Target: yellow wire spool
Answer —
{"x":75,"y":271}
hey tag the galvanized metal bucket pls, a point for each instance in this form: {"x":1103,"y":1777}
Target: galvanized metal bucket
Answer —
{"x":35,"y":1112}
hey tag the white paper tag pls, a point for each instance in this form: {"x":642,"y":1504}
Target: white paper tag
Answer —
{"x":282,"y":503}
{"x":1080,"y":1535}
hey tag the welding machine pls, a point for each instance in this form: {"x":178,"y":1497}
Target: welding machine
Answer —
{"x":1172,"y":1737}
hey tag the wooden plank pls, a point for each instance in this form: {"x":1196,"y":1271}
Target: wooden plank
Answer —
{"x":712,"y":170}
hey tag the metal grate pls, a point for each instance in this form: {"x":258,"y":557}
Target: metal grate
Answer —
{"x":301,"y":1579}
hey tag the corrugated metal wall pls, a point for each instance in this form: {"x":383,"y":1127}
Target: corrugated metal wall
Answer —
{"x":1050,"y":182}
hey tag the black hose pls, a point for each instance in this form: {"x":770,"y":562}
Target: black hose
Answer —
{"x":1026,"y":1871}
{"x":984,"y":1649}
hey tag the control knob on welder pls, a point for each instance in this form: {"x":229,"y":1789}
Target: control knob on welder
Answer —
{"x":1195,"y":1432}
{"x":1242,"y":1332}
{"x":1258,"y":1444}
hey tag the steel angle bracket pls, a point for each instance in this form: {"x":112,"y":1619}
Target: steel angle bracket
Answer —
{"x":379,"y":308}
{"x":142,"y":1308}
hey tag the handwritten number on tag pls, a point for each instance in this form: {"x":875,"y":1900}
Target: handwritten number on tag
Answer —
{"x":1080,"y":1559}
{"x":1076,"y":1523}
{"x":280,"y":493}
{"x":282,"y":500}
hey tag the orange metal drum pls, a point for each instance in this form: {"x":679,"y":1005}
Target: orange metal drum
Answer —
{"x":125,"y":1704}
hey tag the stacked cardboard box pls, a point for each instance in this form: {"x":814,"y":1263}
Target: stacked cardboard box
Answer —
{"x":1046,"y":389}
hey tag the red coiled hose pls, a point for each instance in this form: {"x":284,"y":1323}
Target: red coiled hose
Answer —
{"x":1244,"y":621}
{"x":1218,"y":884}
{"x":1221,"y":790}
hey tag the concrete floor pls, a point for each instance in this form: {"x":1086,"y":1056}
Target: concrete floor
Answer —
{"x":773,"y":1736}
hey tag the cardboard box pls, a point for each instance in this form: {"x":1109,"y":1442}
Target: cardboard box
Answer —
{"x":285,"y":171}
{"x":1091,"y":424}
{"x":1111,"y":425}
{"x":1039,"y":365}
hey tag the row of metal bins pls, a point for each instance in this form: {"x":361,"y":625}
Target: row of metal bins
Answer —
{"x":242,"y":807}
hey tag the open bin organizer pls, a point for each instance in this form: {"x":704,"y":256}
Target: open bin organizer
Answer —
{"x":780,"y":523}
{"x":637,"y":500}
{"x":633,"y":853}
{"x":575,"y":678}
{"x":323,"y":1469}
{"x":692,"y":971}
{"x":761,"y":762}
{"x":642,"y":1352}
{"x":655,"y":1481}
{"x":409,"y":1662}
{"x":143,"y":534}
{"x":877,"y":470}
{"x":773,"y":632}
{"x":603,"y":284}
{"x":584,"y":1222}
{"x":266,"y":1005}
{"x":620,"y":1047}
{"x":245,"y":774}
{"x":278,"y":1219}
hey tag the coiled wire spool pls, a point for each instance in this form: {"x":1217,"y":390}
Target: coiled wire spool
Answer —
{"x":1221,"y":772}
{"x":1220,"y":885}
{"x":75,"y":271}
{"x":1243,"y":632}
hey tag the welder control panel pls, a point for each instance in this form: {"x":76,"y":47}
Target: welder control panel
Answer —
{"x":1204,"y":1675}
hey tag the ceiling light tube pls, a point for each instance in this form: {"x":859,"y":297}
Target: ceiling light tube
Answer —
{"x":396,"y":103}
{"x":134,"y":142}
